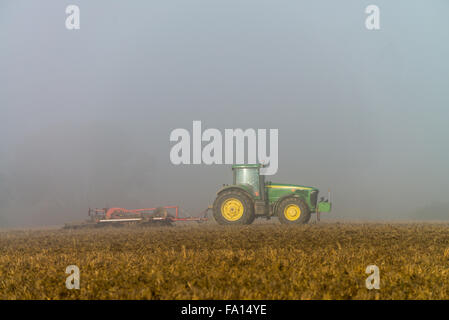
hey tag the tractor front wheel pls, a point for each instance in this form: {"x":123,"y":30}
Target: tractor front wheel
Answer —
{"x":293,"y":211}
{"x":233,"y":207}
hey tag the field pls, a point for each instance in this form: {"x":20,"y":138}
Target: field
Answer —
{"x":261,"y":261}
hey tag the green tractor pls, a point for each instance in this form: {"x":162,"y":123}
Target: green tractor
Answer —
{"x":250,"y":197}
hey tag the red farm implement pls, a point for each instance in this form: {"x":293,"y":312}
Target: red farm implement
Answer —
{"x":160,"y":215}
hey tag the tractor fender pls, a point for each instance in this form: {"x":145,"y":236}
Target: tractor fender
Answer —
{"x":293,"y":195}
{"x":248,"y":190}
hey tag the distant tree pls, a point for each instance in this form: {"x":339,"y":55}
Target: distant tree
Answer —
{"x":433,"y":211}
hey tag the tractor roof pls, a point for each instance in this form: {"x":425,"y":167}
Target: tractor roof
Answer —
{"x":237,"y":166}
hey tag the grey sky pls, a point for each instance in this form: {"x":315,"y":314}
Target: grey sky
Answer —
{"x":86,"y":115}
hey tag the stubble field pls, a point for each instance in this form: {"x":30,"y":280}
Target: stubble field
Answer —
{"x":261,"y":261}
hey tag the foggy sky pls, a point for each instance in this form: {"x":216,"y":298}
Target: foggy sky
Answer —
{"x":86,"y":115}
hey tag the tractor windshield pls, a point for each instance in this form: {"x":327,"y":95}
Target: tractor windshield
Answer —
{"x":247,"y":176}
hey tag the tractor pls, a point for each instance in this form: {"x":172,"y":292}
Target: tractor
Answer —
{"x":250,"y":197}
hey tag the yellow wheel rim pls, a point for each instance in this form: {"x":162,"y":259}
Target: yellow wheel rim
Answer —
{"x":292,"y":212}
{"x":232,"y":209}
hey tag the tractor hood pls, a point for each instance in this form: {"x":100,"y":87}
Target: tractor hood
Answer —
{"x":275,"y":185}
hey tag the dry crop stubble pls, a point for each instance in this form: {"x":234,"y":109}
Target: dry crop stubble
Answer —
{"x":262,"y":261}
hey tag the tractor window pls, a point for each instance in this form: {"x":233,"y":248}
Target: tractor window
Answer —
{"x":247,"y":176}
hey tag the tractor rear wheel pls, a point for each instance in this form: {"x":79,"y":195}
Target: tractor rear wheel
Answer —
{"x":233,"y":207}
{"x":293,"y":211}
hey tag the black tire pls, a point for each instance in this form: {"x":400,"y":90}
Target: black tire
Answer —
{"x":304,"y":214}
{"x":247,"y":215}
{"x":251,"y":220}
{"x":308,"y":218}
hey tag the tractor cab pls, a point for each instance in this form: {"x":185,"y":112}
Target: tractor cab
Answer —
{"x":248,"y":176}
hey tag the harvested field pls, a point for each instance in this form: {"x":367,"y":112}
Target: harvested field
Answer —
{"x":262,"y":261}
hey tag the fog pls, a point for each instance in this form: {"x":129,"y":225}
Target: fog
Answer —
{"x":86,"y":115}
